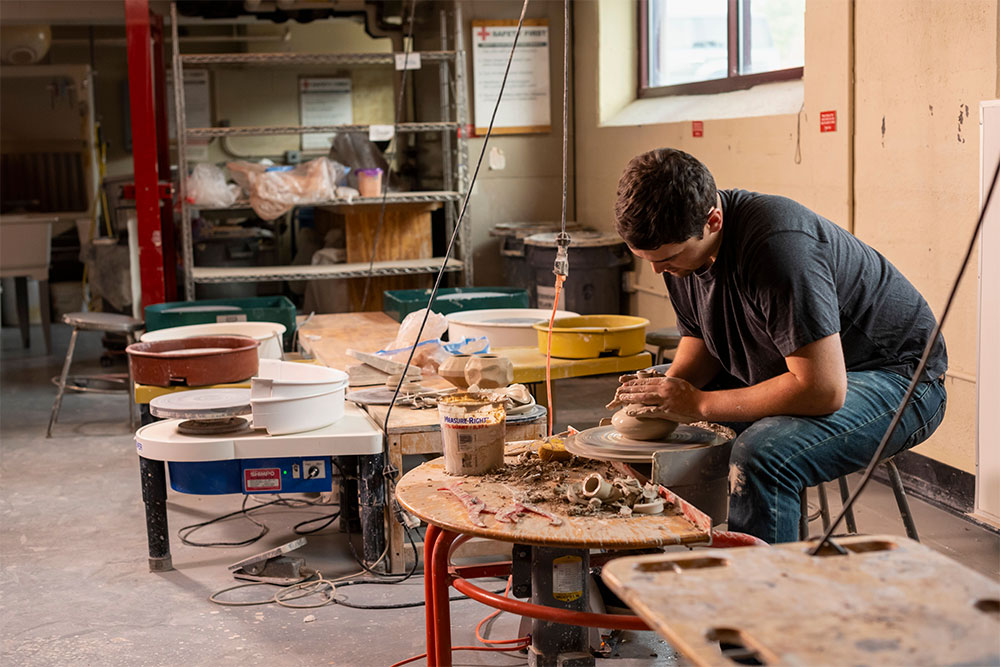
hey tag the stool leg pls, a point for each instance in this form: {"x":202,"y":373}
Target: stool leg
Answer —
{"x":430,"y":619}
{"x":45,"y":305}
{"x":824,"y":506}
{"x":659,"y":356}
{"x":442,"y":606}
{"x":154,"y":496}
{"x":23,"y":321}
{"x":845,"y":493}
{"x":900,"y":493}
{"x":803,"y":516}
{"x":62,"y":383}
{"x":129,"y":339}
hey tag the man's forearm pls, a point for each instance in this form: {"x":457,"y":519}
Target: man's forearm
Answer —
{"x":784,"y":394}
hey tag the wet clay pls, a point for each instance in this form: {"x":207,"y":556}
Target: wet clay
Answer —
{"x":642,"y":429}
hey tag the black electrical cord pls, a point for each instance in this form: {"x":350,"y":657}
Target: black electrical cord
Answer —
{"x":407,"y":46}
{"x":877,"y":456}
{"x":184,"y":532}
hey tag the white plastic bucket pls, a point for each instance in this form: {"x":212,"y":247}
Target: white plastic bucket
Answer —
{"x":504,"y":327}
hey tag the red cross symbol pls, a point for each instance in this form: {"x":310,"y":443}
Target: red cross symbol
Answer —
{"x":483,"y":33}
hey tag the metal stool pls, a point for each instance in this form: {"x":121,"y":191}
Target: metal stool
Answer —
{"x":895,"y":481}
{"x":107,"y":322}
{"x":667,"y":338}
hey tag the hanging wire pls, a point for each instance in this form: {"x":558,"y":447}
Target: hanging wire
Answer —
{"x":389,"y":472}
{"x":877,"y":456}
{"x":407,"y":48}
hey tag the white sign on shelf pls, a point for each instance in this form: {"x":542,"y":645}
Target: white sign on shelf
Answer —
{"x":197,"y":103}
{"x":525,"y":104}
{"x":407,"y":60}
{"x":381,"y":132}
{"x":324,"y":101}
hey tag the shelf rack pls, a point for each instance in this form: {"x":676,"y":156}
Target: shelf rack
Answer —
{"x":453,"y":98}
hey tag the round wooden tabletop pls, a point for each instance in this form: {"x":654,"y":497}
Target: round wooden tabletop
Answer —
{"x":420,"y":493}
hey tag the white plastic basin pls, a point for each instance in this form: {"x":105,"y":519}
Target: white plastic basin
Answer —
{"x":281,"y":416}
{"x":504,"y":327}
{"x":286,"y":379}
{"x":268,"y":334}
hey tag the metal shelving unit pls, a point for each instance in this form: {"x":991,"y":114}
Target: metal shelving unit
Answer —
{"x":455,"y":167}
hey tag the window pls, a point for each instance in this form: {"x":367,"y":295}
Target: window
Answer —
{"x":713,"y":46}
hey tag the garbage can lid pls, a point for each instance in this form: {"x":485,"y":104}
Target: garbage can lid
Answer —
{"x":521,"y":230}
{"x":579,"y":239}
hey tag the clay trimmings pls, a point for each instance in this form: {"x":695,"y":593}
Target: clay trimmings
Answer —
{"x":641,"y":429}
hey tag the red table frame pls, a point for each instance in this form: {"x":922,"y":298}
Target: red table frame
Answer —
{"x":440,"y":575}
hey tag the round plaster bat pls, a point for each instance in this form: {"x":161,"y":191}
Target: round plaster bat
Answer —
{"x":641,"y":429}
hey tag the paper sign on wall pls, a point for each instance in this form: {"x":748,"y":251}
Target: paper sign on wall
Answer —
{"x":525,"y":104}
{"x":324,"y":101}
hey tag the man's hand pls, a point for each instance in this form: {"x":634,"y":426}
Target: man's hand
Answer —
{"x":659,"y":397}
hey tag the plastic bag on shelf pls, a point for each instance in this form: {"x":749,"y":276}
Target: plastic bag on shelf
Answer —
{"x":273,"y":193}
{"x":207,"y":186}
{"x":241,"y":172}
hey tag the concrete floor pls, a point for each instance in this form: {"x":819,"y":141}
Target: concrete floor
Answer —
{"x":75,"y":588}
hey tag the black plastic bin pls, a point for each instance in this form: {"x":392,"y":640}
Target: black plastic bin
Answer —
{"x":596,"y":263}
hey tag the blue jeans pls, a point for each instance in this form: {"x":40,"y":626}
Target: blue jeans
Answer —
{"x":774,"y":458}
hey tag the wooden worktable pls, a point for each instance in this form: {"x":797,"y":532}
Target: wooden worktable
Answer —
{"x":889,"y":601}
{"x":327,"y":337}
{"x":418,"y":491}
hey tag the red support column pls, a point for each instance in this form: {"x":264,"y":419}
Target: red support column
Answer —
{"x":144,"y":155}
{"x":163,"y":159}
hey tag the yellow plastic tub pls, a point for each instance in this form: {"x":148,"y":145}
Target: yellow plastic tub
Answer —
{"x":589,"y":336}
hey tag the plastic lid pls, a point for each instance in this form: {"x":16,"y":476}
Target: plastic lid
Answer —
{"x":522,"y":229}
{"x":579,"y":239}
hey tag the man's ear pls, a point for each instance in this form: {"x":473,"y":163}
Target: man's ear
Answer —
{"x":714,"y":223}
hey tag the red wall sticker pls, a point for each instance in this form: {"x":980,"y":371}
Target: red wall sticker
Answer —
{"x":827,"y":121}
{"x":697,"y":128}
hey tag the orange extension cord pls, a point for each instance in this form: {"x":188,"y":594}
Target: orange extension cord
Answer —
{"x":548,"y":351}
{"x":521,"y":642}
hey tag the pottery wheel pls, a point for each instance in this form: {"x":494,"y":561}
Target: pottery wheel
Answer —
{"x":604,"y":443}
{"x":202,"y":404}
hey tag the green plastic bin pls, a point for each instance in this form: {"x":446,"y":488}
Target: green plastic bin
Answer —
{"x":397,"y":304}
{"x":206,"y":311}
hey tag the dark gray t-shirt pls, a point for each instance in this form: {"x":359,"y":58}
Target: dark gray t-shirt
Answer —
{"x":786,"y":277}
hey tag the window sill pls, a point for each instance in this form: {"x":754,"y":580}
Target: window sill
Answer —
{"x":769,"y":99}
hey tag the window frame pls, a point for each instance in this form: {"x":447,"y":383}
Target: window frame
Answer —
{"x":733,"y":80}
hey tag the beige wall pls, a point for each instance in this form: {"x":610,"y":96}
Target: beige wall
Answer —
{"x":922,"y":68}
{"x":908,"y":197}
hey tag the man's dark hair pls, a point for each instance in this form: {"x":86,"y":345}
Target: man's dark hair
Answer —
{"x":664,"y":196}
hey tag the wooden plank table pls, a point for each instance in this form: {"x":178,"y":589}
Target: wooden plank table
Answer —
{"x":889,"y":601}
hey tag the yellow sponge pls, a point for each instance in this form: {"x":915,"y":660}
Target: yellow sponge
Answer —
{"x":554,"y":450}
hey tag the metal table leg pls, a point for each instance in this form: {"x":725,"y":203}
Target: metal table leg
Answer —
{"x":154,"y":495}
{"x":559,"y":579}
{"x":371,"y":489}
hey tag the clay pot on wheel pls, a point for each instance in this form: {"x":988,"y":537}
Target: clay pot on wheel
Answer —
{"x":635,"y":428}
{"x":489,"y":371}
{"x":452,"y":369}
